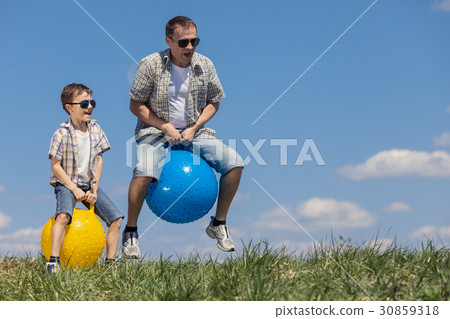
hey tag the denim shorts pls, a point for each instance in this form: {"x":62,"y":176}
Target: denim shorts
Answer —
{"x":151,"y":155}
{"x":104,"y":207}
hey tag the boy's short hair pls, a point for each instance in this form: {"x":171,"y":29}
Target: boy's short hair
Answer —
{"x":69,"y":92}
{"x":181,"y":21}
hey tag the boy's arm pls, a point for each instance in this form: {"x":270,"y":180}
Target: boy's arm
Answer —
{"x":91,"y":195}
{"x":62,"y":176}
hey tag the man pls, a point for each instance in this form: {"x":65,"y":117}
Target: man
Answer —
{"x":174,"y":94}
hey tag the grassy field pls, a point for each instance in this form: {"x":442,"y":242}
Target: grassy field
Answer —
{"x":339,"y":271}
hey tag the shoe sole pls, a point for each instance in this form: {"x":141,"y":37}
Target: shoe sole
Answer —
{"x":225,"y":250}
{"x":212,"y":236}
{"x":131,"y":256}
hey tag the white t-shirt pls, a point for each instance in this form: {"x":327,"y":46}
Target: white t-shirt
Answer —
{"x":178,"y":96}
{"x":83,"y":156}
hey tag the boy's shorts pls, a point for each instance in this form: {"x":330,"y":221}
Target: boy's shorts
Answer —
{"x":151,"y":155}
{"x":104,"y":207}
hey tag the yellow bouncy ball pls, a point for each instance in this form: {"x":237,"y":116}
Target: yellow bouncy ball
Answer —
{"x":84,"y":240}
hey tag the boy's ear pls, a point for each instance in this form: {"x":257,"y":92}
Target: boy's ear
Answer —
{"x":68,"y":107}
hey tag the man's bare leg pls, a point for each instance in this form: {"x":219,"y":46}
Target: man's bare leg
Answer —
{"x":136,"y":196}
{"x":217,"y":229}
{"x":229,"y":184}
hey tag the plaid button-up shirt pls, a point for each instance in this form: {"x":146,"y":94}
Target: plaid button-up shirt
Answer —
{"x":151,"y":85}
{"x":64,"y":148}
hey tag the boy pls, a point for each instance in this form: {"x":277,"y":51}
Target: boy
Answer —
{"x":76,"y":161}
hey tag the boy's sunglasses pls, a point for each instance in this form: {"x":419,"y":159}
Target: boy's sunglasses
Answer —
{"x":84,"y":104}
{"x":184,"y":42}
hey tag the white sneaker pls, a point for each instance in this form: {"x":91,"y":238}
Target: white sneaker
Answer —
{"x":52,"y":268}
{"x":130,"y":245}
{"x":222,"y":234}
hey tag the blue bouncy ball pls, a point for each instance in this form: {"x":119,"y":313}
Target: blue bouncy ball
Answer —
{"x":186,"y":190}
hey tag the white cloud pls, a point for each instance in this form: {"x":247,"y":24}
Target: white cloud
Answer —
{"x":442,"y":5}
{"x":397,"y":207}
{"x":276,"y":219}
{"x":5,"y":220}
{"x":240,"y":197}
{"x":430,"y":231}
{"x":397,"y":162}
{"x":297,"y":247}
{"x":120,"y":190}
{"x":443,"y":140}
{"x":381,"y":243}
{"x":171,"y":239}
{"x":2,"y":188}
{"x":42,"y":198}
{"x":24,"y":240}
{"x":131,"y":72}
{"x":329,"y":213}
{"x":317,"y":214}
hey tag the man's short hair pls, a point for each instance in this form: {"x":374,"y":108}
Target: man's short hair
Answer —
{"x":71,"y":90}
{"x":181,"y":21}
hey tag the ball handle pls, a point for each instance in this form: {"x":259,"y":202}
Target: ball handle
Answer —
{"x":91,"y":206}
{"x":179,"y":147}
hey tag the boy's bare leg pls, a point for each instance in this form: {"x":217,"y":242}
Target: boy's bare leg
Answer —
{"x":229,"y":184}
{"x":112,"y":238}
{"x":136,"y":196}
{"x":58,"y":232}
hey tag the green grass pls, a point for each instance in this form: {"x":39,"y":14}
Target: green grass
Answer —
{"x":339,"y":271}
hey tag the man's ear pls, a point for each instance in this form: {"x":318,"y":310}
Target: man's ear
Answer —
{"x":169,"y":42}
{"x":68,"y":108}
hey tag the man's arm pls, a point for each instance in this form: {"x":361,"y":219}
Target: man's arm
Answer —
{"x":208,"y":112}
{"x":148,"y":116}
{"x":62,"y":176}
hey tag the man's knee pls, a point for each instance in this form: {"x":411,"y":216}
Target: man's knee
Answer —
{"x":235,"y":171}
{"x":138,"y":188}
{"x":141,"y":182}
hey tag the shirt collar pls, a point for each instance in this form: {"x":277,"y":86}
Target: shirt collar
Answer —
{"x":68,"y":124}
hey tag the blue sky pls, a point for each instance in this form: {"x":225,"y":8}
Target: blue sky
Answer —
{"x":376,"y":105}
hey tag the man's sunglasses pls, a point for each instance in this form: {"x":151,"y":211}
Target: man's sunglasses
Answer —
{"x":84,"y":104}
{"x":184,"y":42}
